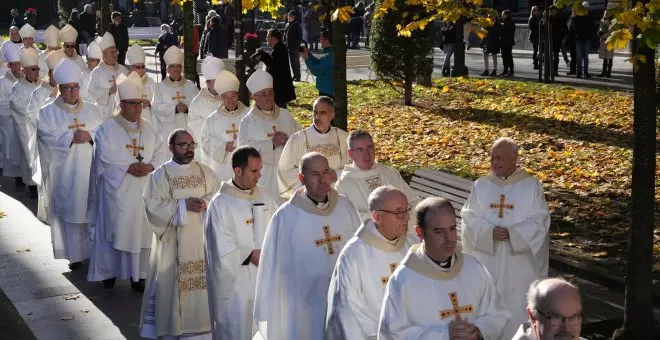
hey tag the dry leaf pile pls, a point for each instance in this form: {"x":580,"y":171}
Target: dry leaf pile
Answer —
{"x":578,"y":143}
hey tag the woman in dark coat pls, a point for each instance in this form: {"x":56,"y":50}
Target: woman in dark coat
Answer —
{"x":491,"y":46}
{"x":218,"y":46}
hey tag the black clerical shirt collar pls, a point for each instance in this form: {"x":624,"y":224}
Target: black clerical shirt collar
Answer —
{"x":317,"y":202}
{"x":319,"y":131}
{"x":238,"y":186}
{"x":442,"y":264}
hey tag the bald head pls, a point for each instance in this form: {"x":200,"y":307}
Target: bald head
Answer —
{"x":507,"y":144}
{"x":383,"y":194}
{"x":309,"y":160}
{"x":436,"y":206}
{"x":316,"y":176}
{"x":504,"y":157}
{"x":554,"y":308}
{"x":543,"y":293}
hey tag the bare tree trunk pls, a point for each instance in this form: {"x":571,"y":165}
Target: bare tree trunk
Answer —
{"x":190,"y":60}
{"x":103,"y":23}
{"x":341,"y":95}
{"x":408,"y":87}
{"x":243,"y":93}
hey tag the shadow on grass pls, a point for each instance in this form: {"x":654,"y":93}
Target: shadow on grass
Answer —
{"x":12,"y":325}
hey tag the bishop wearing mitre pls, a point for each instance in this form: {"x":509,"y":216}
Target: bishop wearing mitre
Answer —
{"x":321,"y":137}
{"x":266,"y":127}
{"x":364,"y":267}
{"x":437,"y":292}
{"x":235,"y":228}
{"x":208,"y":100}
{"x":27,"y":34}
{"x":505,"y":226}
{"x":126,"y":149}
{"x":176,"y":198}
{"x":65,"y":136}
{"x":220,"y":129}
{"x":300,"y":250}
{"x":136,"y":62}
{"x":53,"y":43}
{"x":11,"y":148}
{"x":42,"y":95}
{"x":103,"y":79}
{"x":93,"y":57}
{"x":173,"y":95}
{"x":20,"y":98}
{"x":68,"y":36}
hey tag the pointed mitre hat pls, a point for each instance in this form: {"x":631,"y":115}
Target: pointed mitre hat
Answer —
{"x":67,"y":72}
{"x":12,"y":53}
{"x":259,"y":80}
{"x":107,"y":41}
{"x":211,"y":67}
{"x":94,"y":51}
{"x":29,"y":57}
{"x":173,"y":55}
{"x":135,"y":55}
{"x":129,"y":87}
{"x":68,"y":34}
{"x":226,"y":81}
{"x":52,"y":36}
{"x":27,"y":31}
{"x":53,"y":58}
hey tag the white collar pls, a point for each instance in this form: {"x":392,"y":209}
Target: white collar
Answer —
{"x":174,"y":164}
{"x":372,"y":227}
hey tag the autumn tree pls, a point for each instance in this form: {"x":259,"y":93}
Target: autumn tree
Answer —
{"x":64,"y":8}
{"x":400,"y":59}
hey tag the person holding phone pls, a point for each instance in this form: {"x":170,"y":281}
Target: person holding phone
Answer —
{"x":322,"y":67}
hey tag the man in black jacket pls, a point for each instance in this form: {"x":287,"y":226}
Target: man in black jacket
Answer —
{"x":292,"y":39}
{"x":119,"y":31}
{"x":16,"y":18}
{"x":88,"y":24}
{"x":584,"y":30}
{"x":507,"y":40}
{"x":165,"y":41}
{"x":277,"y":64}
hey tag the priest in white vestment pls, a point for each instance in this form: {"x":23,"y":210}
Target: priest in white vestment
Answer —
{"x":266,"y":127}
{"x":235,"y":228}
{"x":14,"y":39}
{"x":220,"y":129}
{"x":505,"y":226}
{"x":170,"y":105}
{"x":20,"y":97}
{"x":437,"y":292}
{"x":11,"y":149}
{"x":53,"y":43}
{"x":126,"y":149}
{"x":365,"y":265}
{"x":28,"y":34}
{"x":68,"y":36}
{"x":103,"y":79}
{"x":300,"y":250}
{"x":176,"y":197}
{"x":65,"y":136}
{"x":364,"y":174}
{"x":208,"y":100}
{"x":41,"y":96}
{"x":321,"y":137}
{"x":93,"y":57}
{"x":136,"y":61}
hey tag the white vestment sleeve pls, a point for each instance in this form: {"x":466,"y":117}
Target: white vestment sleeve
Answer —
{"x":245,"y":137}
{"x":492,"y":315}
{"x":196,"y":117}
{"x":212,"y":145}
{"x":160,"y":152}
{"x":531,"y":234}
{"x":160,"y":207}
{"x":476,"y":231}
{"x":287,"y":170}
{"x":54,"y":139}
{"x":98,"y":91}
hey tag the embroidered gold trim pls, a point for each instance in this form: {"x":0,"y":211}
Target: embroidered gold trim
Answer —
{"x":192,"y":283}
{"x":185,"y":182}
{"x":192,"y":267}
{"x":373,"y":182}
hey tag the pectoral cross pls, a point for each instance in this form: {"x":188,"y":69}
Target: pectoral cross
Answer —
{"x":76,"y":125}
{"x":271,"y":135}
{"x":249,"y":221}
{"x":178,"y":97}
{"x":456,"y":309}
{"x":136,"y":149}
{"x":233,"y":131}
{"x":112,"y":81}
{"x":328,"y":240}
{"x":384,"y":279}
{"x":501,"y":206}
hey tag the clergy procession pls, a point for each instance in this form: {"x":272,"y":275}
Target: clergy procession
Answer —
{"x":235,"y":222}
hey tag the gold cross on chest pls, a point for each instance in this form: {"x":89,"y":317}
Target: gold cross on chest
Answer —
{"x":76,"y":125}
{"x":135,"y":147}
{"x":112,"y":81}
{"x":456,"y":309}
{"x":384,"y":279}
{"x":501,"y":206}
{"x":271,"y":135}
{"x":178,"y":97}
{"x":233,"y":131}
{"x":249,"y":221}
{"x":328,"y":240}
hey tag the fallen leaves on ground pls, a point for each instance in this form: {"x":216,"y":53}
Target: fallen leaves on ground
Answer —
{"x":577,"y":142}
{"x":71,"y":297}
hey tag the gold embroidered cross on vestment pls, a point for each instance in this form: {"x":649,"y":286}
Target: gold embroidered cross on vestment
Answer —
{"x":178,"y":97}
{"x":384,"y":279}
{"x":501,"y":206}
{"x":456,"y":309}
{"x":76,"y":125}
{"x":271,"y":135}
{"x":233,"y":131}
{"x":328,"y":240}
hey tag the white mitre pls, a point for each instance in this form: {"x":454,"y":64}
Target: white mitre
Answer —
{"x":129,"y":87}
{"x":52,"y":36}
{"x":68,"y":34}
{"x":12,"y":53}
{"x":53,"y":58}
{"x":135,"y":55}
{"x":29,"y":57}
{"x":211,"y":67}
{"x":67,"y":72}
{"x":226,"y":81}
{"x":94,"y":51}
{"x":27,"y":31}
{"x":173,"y":56}
{"x":107,"y":41}
{"x":259,"y":80}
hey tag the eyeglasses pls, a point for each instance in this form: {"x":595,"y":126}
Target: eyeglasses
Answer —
{"x":192,"y":145}
{"x":557,"y":320}
{"x":69,"y":88}
{"x":398,"y":214}
{"x":69,"y":45}
{"x":32,"y":69}
{"x":133,"y":103}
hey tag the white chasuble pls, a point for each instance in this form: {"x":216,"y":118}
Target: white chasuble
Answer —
{"x":176,"y":301}
{"x":201,"y":107}
{"x":84,"y":84}
{"x":163,"y":105}
{"x":65,"y":171}
{"x":78,"y":60}
{"x":257,"y":130}
{"x":302,"y":244}
{"x":235,"y":226}
{"x":358,"y":283}
{"x":517,"y":204}
{"x":20,"y":98}
{"x":121,"y":234}
{"x":357,"y":184}
{"x":102,"y":78}
{"x":43,"y":66}
{"x":422,"y":299}
{"x":10,"y":154}
{"x":332,"y":145}
{"x":220,"y":128}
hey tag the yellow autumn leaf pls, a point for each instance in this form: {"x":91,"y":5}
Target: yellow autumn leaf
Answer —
{"x":619,"y":39}
{"x":342,"y":14}
{"x":445,"y":89}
